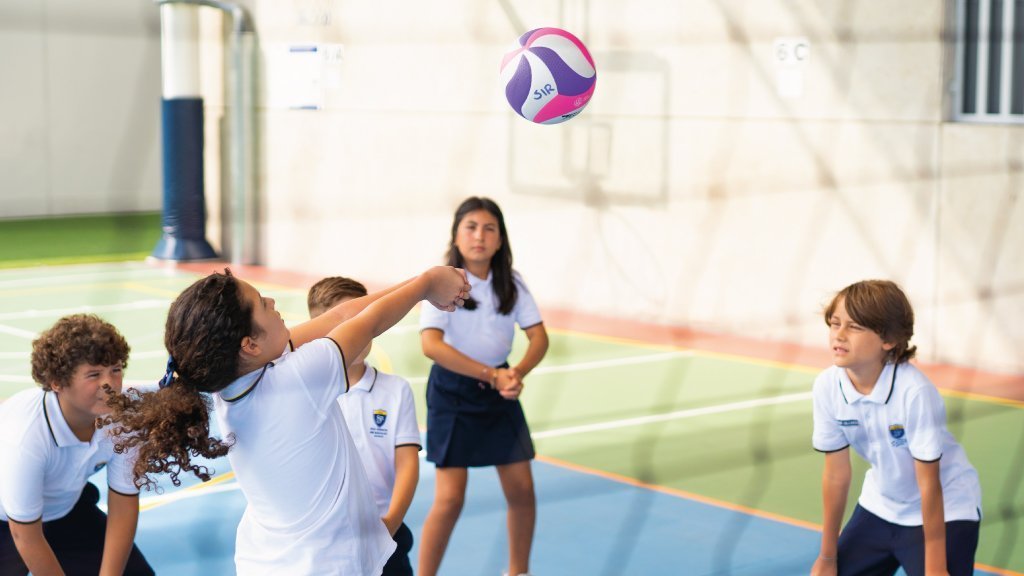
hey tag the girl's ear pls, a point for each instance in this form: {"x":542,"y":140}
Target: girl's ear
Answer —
{"x":887,"y":346}
{"x":249,"y":347}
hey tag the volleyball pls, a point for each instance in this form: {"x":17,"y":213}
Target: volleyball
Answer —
{"x":549,"y":76}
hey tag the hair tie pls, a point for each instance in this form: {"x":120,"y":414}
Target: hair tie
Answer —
{"x":169,"y":374}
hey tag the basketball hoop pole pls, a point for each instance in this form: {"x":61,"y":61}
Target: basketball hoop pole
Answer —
{"x":240,"y":85}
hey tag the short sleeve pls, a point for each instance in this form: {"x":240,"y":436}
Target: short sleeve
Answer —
{"x":431,"y":317}
{"x":320,"y":366}
{"x":827,"y":435}
{"x":926,"y":424}
{"x":22,"y":471}
{"x":408,"y":430}
{"x":526,"y":311}
{"x":119,"y":472}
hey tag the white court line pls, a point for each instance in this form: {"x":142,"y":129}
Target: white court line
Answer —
{"x":131,"y":269}
{"x":677,"y":415}
{"x":85,"y":309}
{"x":596,"y":364}
{"x":18,"y":332}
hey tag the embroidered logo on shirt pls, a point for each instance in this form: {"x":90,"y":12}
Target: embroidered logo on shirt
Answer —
{"x":380,"y":416}
{"x":848,"y":422}
{"x":99,"y":466}
{"x":898,"y":435}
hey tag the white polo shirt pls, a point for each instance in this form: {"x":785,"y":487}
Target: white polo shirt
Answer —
{"x":484,"y":334}
{"x":310,"y":508}
{"x":44,"y":466}
{"x":381,"y":414}
{"x":903,"y":419}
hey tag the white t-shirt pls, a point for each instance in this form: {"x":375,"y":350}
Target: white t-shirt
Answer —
{"x":484,"y":334}
{"x":381,"y":414}
{"x":903,"y":419}
{"x":44,"y":466}
{"x":310,"y":508}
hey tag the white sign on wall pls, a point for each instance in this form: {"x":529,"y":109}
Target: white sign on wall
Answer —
{"x":298,"y":74}
{"x":791,"y":55}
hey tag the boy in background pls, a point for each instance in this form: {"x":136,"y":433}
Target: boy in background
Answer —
{"x":380,"y":413}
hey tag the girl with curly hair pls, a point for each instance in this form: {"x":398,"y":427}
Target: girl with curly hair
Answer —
{"x":50,"y":445}
{"x":310,"y":508}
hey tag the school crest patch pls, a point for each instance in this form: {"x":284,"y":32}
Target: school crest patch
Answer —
{"x":379,"y":417}
{"x":898,"y":434}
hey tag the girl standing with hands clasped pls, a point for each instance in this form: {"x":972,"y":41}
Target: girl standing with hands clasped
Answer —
{"x":920,"y":507}
{"x":473,"y":413}
{"x":310,"y":507}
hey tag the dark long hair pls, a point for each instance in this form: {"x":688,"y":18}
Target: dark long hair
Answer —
{"x":882,"y":307}
{"x":501,"y":263}
{"x":204,"y":331}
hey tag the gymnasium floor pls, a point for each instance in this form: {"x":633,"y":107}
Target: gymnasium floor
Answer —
{"x":661,"y":451}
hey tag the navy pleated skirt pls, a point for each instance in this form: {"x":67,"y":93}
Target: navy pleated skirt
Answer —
{"x":469,"y":424}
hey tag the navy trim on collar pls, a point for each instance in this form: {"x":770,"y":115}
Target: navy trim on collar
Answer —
{"x":250,"y":388}
{"x":892,"y":386}
{"x":49,"y":426}
{"x":374,"y":381}
{"x":839,"y":381}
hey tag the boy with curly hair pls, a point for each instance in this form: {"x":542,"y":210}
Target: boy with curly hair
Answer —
{"x":50,"y":445}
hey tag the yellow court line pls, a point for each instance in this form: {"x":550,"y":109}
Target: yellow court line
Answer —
{"x":194,"y":488}
{"x":715,"y":502}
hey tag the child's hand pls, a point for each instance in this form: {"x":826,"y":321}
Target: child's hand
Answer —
{"x":509,"y":383}
{"x":448,"y":287}
{"x":824,"y":567}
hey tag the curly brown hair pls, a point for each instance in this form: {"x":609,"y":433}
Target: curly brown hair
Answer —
{"x":75,"y":340}
{"x":204,"y":331}
{"x":882,"y":307}
{"x":330,"y":291}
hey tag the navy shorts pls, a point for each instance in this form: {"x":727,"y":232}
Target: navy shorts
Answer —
{"x":398,"y":564}
{"x":76,"y":539}
{"x":871,"y":546}
{"x":469,"y":424}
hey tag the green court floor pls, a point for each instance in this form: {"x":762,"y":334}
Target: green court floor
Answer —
{"x":723,"y":428}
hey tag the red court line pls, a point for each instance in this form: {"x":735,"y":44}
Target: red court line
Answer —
{"x":961,"y":379}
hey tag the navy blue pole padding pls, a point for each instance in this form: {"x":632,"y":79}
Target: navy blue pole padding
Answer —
{"x":184,"y":217}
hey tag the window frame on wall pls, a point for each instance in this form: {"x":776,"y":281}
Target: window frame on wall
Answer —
{"x":989,"y":76}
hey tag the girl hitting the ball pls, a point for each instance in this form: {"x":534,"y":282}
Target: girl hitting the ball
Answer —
{"x":920,"y":506}
{"x":310,"y":508}
{"x":473,"y":413}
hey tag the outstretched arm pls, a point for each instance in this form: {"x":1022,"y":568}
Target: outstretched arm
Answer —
{"x":407,"y":474}
{"x":933,"y":516}
{"x":835,"y":488}
{"x":443,"y":286}
{"x":34,"y":549}
{"x":122,"y":520}
{"x":319,"y":327}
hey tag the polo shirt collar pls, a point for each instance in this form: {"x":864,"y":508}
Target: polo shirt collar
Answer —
{"x":474,"y":281}
{"x":366,"y":382}
{"x":881,"y":393}
{"x":60,"y":431}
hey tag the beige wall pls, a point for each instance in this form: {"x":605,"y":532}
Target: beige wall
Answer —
{"x":79,"y":107}
{"x":689,"y":192}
